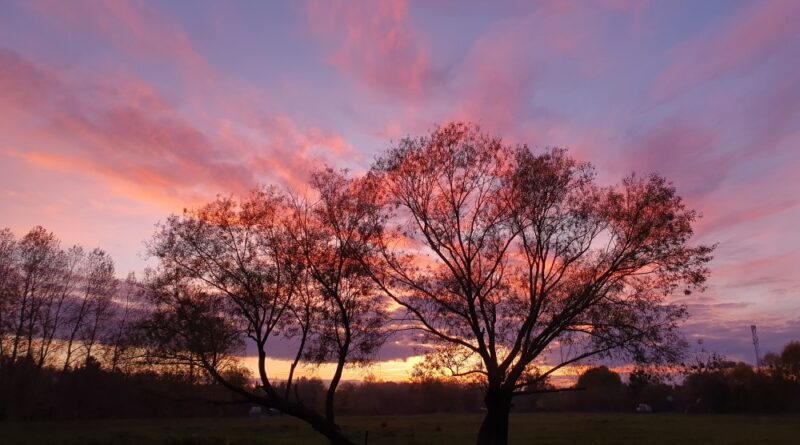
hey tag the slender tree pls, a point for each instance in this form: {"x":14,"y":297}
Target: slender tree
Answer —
{"x":121,"y":333}
{"x":305,"y":312}
{"x":334,"y":234}
{"x":9,"y":286}
{"x":53,"y":311}
{"x":104,"y":288}
{"x":91,"y":305}
{"x":507,"y":259}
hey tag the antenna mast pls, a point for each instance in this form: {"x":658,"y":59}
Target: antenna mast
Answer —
{"x":755,"y":345}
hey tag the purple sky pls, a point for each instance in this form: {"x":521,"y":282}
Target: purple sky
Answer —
{"x":114,"y":114}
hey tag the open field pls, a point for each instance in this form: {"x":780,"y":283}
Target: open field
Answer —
{"x":550,"y":429}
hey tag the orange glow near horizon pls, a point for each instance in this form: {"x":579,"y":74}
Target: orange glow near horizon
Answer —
{"x":398,"y":370}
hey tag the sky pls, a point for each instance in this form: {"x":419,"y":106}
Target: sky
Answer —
{"x":115,"y":114}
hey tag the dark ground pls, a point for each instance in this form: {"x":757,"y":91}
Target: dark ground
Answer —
{"x":448,"y":429}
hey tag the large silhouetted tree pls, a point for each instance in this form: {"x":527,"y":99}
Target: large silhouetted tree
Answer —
{"x":504,"y":258}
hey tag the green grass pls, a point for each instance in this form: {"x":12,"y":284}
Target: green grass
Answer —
{"x":539,"y":429}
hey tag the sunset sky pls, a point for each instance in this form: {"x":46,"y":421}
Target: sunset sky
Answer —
{"x":115,"y":114}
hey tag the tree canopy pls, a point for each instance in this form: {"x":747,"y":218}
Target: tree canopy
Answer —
{"x":503,"y":256}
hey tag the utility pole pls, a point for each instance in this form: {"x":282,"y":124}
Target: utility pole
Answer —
{"x":755,"y":345}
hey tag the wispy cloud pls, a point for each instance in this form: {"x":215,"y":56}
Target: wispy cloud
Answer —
{"x":376,"y":43}
{"x":141,"y":144}
{"x":744,"y":41}
{"x":137,"y":28}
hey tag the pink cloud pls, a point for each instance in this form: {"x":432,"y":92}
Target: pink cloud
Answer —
{"x":141,"y":145}
{"x":748,"y":276}
{"x":375,"y":43}
{"x":740,"y":43}
{"x":293,"y":153}
{"x":497,"y":82}
{"x":755,"y":201}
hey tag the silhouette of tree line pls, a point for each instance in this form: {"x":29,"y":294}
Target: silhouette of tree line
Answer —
{"x":491,"y":255}
{"x":711,"y":384}
{"x":92,"y":391}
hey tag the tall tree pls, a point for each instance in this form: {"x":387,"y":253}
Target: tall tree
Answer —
{"x":104,"y":286}
{"x":53,"y":311}
{"x":90,"y":306}
{"x":9,"y":286}
{"x":120,"y":337}
{"x":505,"y":259}
{"x":258,"y":269}
{"x":41,"y":265}
{"x":334,"y":234}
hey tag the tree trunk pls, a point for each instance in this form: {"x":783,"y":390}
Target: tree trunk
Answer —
{"x":320,"y":424}
{"x":332,"y":432}
{"x":494,"y":428}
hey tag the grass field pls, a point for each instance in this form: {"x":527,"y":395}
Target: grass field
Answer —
{"x":540,"y":429}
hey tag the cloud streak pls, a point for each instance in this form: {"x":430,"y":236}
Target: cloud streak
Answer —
{"x":141,"y":144}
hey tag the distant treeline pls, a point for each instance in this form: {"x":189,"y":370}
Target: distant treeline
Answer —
{"x":712,"y":385}
{"x":62,"y":306}
{"x":28,"y":392}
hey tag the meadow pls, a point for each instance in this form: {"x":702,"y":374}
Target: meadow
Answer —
{"x":450,"y":429}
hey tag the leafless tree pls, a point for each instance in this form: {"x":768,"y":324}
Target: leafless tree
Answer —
{"x":48,"y":295}
{"x":120,"y":339}
{"x":505,"y":258}
{"x":57,"y":300}
{"x":104,"y":284}
{"x":9,"y":285}
{"x":90,"y":305}
{"x":40,"y":264}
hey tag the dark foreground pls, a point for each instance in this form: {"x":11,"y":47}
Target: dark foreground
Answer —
{"x":449,"y":429}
